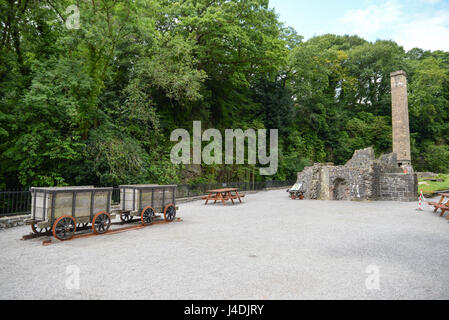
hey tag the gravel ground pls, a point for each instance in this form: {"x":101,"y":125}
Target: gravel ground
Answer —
{"x":269,"y":247}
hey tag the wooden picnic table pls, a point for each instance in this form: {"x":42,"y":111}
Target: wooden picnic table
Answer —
{"x":442,"y":204}
{"x":223,"y":195}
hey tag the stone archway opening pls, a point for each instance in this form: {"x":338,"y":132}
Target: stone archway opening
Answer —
{"x":340,"y":189}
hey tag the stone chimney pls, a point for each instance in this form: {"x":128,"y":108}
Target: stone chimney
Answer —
{"x":401,"y":127}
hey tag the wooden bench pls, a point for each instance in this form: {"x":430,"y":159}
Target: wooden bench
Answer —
{"x":226,"y":198}
{"x":223,"y":195}
{"x":438,"y":205}
{"x":443,"y":208}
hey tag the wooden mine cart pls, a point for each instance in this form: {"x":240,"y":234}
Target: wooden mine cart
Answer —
{"x":144,"y":201}
{"x":63,"y":209}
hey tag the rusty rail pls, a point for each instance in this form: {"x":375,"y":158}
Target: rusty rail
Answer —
{"x":85,"y":235}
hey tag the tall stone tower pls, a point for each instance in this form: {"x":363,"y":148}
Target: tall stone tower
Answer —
{"x":401,"y":127}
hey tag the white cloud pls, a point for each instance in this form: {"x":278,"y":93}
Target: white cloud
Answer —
{"x":367,"y":22}
{"x":428,"y":29}
{"x":429,"y":32}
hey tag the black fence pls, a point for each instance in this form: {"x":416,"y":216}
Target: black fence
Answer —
{"x":15,"y":202}
{"x":186,"y":191}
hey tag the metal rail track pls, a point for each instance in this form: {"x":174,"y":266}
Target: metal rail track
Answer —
{"x":84,"y":235}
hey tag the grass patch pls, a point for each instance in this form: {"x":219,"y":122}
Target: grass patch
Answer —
{"x":434,"y":186}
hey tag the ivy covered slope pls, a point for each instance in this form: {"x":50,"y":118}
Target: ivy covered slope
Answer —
{"x":96,"y":105}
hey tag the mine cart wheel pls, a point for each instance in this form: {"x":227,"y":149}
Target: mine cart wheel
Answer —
{"x":101,"y":222}
{"x":147,"y":216}
{"x":125,"y":217}
{"x":38,"y":230}
{"x":64,"y":228}
{"x":170,"y":213}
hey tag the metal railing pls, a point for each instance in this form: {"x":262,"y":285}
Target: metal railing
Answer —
{"x":186,"y":191}
{"x":17,"y":201}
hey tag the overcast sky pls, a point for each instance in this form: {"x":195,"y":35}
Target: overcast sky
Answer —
{"x":411,"y":23}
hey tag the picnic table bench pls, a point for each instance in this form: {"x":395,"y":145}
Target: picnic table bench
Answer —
{"x":442,"y":205}
{"x":223,"y":195}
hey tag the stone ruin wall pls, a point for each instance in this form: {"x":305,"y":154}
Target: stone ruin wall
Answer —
{"x":363,"y":178}
{"x":398,"y":187}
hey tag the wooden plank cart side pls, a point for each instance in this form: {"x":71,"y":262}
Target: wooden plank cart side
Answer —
{"x":62,"y":209}
{"x":145,"y":201}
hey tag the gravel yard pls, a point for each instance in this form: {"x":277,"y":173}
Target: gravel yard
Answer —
{"x":269,"y":247}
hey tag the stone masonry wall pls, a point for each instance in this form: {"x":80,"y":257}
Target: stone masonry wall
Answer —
{"x":310,"y":178}
{"x":348,"y":184}
{"x":398,"y":187}
{"x":9,"y":222}
{"x":363,"y":178}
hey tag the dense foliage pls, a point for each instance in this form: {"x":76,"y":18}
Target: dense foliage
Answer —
{"x":96,"y":104}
